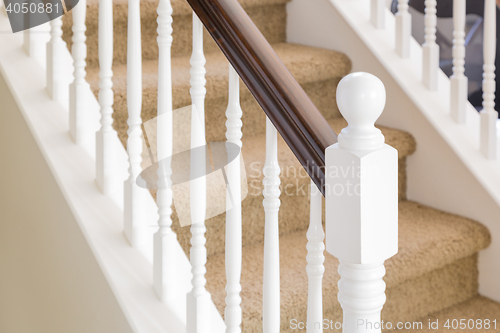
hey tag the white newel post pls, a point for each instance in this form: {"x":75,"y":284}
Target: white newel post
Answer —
{"x":134,"y":195}
{"x":79,"y":122}
{"x":198,"y":299}
{"x":315,"y":267}
{"x":232,"y":312}
{"x":361,"y":232}
{"x":106,"y":137}
{"x":403,"y":29}
{"x":57,"y":87}
{"x":164,"y":277}
{"x":430,"y":48}
{"x":377,"y":13}
{"x":488,"y":114}
{"x":458,"y":81}
{"x":271,"y":203}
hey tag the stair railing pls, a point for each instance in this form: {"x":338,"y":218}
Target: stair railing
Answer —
{"x":361,"y":235}
{"x":488,"y":139}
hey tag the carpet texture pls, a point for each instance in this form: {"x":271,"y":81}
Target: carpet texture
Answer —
{"x":421,"y":275}
{"x":435,"y":272}
{"x":478,"y":309}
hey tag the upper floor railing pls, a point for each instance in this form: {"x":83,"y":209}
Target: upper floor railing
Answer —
{"x":458,"y":80}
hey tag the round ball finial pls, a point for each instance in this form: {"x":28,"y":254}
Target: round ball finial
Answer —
{"x":361,"y":98}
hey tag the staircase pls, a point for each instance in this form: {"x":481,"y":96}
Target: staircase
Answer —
{"x":435,"y":273}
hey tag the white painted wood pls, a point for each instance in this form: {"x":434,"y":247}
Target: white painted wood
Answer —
{"x":106,"y":161}
{"x":57,"y":87}
{"x":79,"y":121}
{"x":164,"y":278}
{"x":164,"y":258}
{"x":377,"y":16}
{"x":271,"y":203}
{"x":458,"y":81}
{"x":315,"y":260}
{"x":35,"y":40}
{"x":361,"y":201}
{"x":133,"y":194}
{"x":403,"y":29}
{"x":198,"y":300}
{"x":234,"y":113}
{"x":362,"y":296}
{"x":488,"y":114}
{"x":430,"y":48}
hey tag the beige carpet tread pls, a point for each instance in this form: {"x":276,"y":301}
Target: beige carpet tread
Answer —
{"x":476,"y":308}
{"x":253,"y":148}
{"x":428,"y":240}
{"x":181,"y":7}
{"x":268,"y":15}
{"x":307,"y":64}
{"x":294,"y":210}
{"x":317,"y":70}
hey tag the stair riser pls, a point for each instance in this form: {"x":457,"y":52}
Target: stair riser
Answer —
{"x":254,"y":119}
{"x":432,"y":292}
{"x":406,"y":302}
{"x":271,"y":20}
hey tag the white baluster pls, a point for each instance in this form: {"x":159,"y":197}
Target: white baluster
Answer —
{"x":403,"y":29}
{"x":198,"y":299}
{"x":164,"y":240}
{"x":57,"y":87}
{"x":378,"y":13}
{"x":458,"y":95}
{"x":315,"y":259}
{"x":430,"y":48}
{"x":106,"y":159}
{"x":79,"y":122}
{"x":271,"y":203}
{"x":233,"y":213}
{"x":488,"y":114}
{"x":35,"y":41}
{"x":362,"y":232}
{"x":133,"y":194}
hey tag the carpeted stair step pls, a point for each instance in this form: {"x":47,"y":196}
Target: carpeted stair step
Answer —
{"x":294,"y":209}
{"x":317,"y":70}
{"x":477,"y":309}
{"x":436,"y":268}
{"x":268,"y":15}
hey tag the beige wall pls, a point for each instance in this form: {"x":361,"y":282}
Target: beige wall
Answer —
{"x":49,"y":279}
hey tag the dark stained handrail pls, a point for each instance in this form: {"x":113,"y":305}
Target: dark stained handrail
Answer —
{"x":299,"y":122}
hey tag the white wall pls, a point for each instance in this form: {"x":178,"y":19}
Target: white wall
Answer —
{"x":49,"y":280}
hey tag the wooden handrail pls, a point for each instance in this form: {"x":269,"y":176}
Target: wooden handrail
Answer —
{"x":299,"y":122}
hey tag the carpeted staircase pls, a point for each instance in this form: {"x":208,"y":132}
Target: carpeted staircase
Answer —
{"x":435,"y":272}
